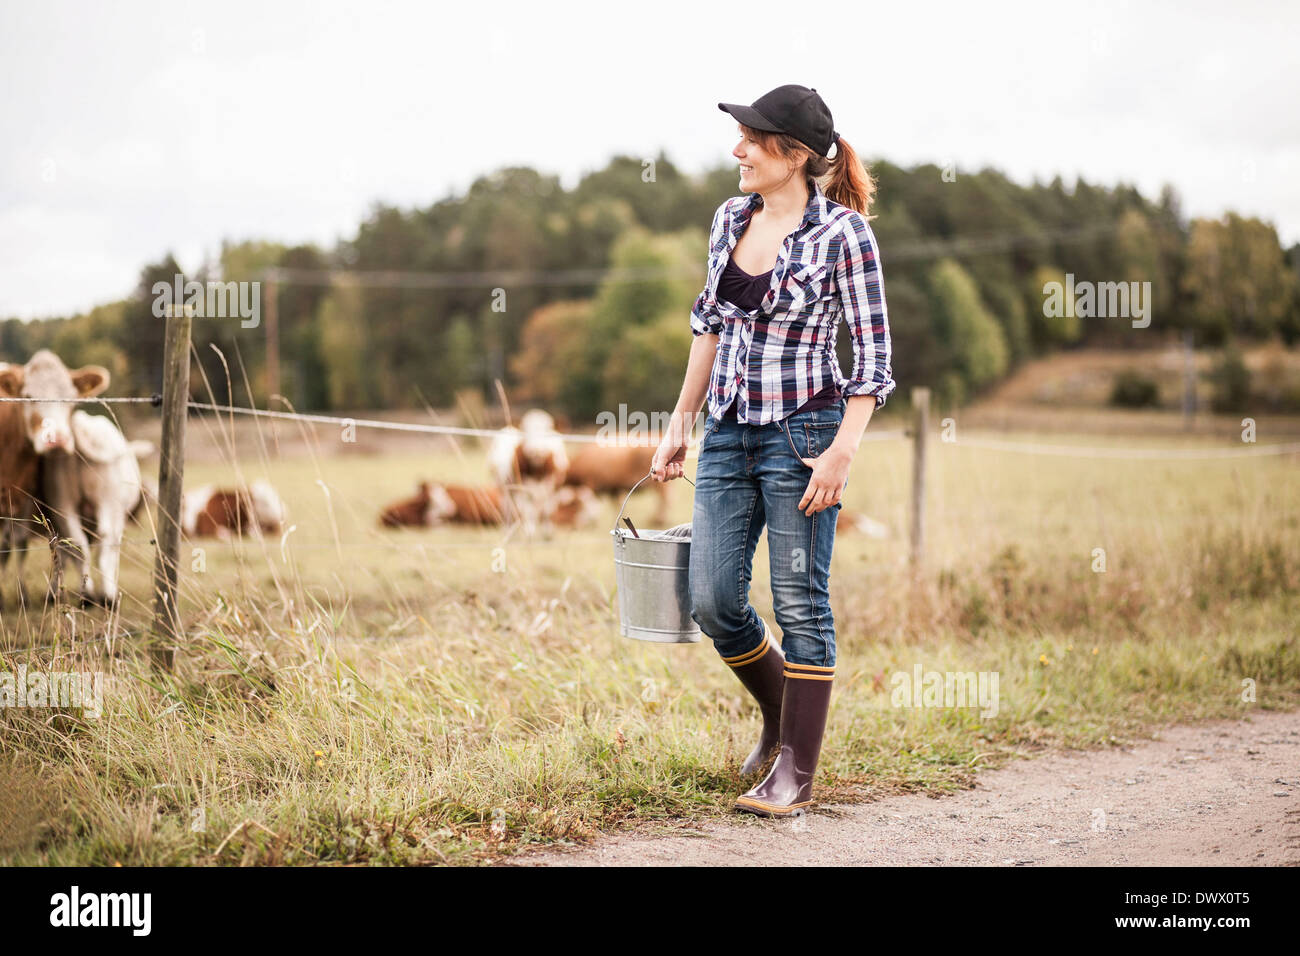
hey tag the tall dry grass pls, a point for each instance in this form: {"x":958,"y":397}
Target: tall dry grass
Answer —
{"x":348,"y":695}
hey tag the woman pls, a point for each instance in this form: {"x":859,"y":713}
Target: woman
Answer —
{"x":786,"y":263}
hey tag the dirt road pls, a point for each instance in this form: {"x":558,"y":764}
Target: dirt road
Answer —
{"x":1221,"y":793}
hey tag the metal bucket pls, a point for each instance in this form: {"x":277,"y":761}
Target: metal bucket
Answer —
{"x":653,"y":579}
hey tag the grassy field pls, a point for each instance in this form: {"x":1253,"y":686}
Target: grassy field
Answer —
{"x":349,"y":695}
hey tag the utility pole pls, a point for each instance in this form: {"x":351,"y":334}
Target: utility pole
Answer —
{"x":271,"y":316}
{"x":1189,"y":379}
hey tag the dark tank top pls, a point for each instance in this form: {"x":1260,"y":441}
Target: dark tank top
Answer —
{"x":746,"y":291}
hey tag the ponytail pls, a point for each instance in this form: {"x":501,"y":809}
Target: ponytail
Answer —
{"x":848,"y":181}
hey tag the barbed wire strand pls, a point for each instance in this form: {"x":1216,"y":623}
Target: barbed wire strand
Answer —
{"x":120,"y":400}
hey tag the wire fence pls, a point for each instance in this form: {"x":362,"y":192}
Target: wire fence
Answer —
{"x":155,"y":400}
{"x":1144,"y":454}
{"x":374,"y":423}
{"x":881,"y":435}
{"x":1249,"y":450}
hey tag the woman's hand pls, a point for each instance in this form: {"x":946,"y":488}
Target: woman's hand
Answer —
{"x":670,"y":455}
{"x":830,"y":475}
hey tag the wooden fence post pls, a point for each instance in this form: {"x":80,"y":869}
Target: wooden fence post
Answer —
{"x":171,"y":473}
{"x":920,"y":425}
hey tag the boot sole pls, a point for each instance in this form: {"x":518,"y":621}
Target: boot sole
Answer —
{"x":759,"y":808}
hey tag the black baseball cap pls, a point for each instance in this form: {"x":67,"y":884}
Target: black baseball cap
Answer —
{"x":795,"y":110}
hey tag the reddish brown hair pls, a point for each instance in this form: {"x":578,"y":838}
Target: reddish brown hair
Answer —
{"x":845,"y":178}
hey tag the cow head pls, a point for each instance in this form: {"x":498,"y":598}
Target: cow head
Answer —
{"x":541,"y":456}
{"x":46,"y":377}
{"x":268,"y":509}
{"x":439,"y":505}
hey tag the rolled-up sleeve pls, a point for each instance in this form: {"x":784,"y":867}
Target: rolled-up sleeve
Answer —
{"x":862,"y":293}
{"x":704,"y":316}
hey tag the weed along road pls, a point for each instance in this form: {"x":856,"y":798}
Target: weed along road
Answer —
{"x":1219,"y":793}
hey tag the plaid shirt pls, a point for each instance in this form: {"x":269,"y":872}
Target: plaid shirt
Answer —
{"x":776,"y":358}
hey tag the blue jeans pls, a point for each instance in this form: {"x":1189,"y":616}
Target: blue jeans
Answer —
{"x":748,"y":476}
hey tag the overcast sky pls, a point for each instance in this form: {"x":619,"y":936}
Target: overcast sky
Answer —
{"x":131,"y":129}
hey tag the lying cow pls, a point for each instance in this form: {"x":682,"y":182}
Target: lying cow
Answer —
{"x":614,"y":470}
{"x":88,"y":467}
{"x":212,"y":512}
{"x":422,"y":510}
{"x":434,"y":504}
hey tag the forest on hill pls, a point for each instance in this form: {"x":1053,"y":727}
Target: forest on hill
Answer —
{"x":578,"y":299}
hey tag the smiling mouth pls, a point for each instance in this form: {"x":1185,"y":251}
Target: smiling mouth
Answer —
{"x":746,"y":169}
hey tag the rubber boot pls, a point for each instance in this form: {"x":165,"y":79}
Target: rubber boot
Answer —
{"x":787,"y":789}
{"x":761,"y":671}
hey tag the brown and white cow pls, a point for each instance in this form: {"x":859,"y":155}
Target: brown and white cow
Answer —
{"x":43,"y":428}
{"x":99,"y":483}
{"x":615,"y":470}
{"x":19,"y":469}
{"x":212,"y":512}
{"x":486,"y":505}
{"x":424,"y":509}
{"x":855,"y":522}
{"x":530,"y":462}
{"x":435,"y":503}
{"x":532,"y":452}
{"x":575,"y":507}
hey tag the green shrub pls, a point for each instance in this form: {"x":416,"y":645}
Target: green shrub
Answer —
{"x":1231,"y":381}
{"x":1132,"y":389}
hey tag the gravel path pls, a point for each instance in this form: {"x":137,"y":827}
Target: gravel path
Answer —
{"x":1210,"y":794}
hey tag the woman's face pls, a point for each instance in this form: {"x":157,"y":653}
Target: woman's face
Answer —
{"x":759,"y":169}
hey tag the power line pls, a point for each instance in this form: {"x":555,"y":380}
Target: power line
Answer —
{"x":901,"y":251}
{"x":394,"y":279}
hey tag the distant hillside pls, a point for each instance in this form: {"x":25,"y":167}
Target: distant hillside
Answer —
{"x":512,"y":281}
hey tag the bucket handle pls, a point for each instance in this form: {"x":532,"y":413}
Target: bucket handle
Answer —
{"x":648,"y":474}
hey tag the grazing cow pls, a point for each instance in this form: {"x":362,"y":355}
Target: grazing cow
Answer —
{"x":530,"y":463}
{"x":575,"y":508}
{"x":100,"y":479}
{"x":16,"y":536}
{"x":853,"y":522}
{"x":19,"y":470}
{"x":33,"y":430}
{"x":614,"y":470}
{"x":534,"y":452}
{"x":211,"y":512}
